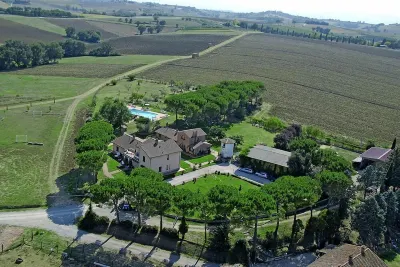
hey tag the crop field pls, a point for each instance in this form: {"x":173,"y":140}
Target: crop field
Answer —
{"x":24,"y":169}
{"x":17,"y":31}
{"x":15,"y":89}
{"x":38,"y":23}
{"x":346,"y":89}
{"x":119,"y":29}
{"x":166,"y":44}
{"x":81,"y":25}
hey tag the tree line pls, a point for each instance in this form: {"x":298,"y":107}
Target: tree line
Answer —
{"x":37,"y":12}
{"x":17,"y":54}
{"x":210,"y":105}
{"x":89,"y":36}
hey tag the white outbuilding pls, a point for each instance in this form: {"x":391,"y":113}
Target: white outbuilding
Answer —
{"x":227,"y":147}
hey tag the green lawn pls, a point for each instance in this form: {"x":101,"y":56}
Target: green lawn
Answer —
{"x":16,"y":89}
{"x":252,"y":135}
{"x":184,"y":165}
{"x":112,"y":164}
{"x":24,"y":169}
{"x":204,"y":184}
{"x":349,"y":155}
{"x":204,"y":159}
{"x":392,"y":259}
{"x":39,"y":23}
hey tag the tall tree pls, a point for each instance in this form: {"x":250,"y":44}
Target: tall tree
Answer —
{"x":185,"y":202}
{"x":224,"y":199}
{"x":109,"y":189}
{"x":92,"y":161}
{"x":335,"y":184}
{"x":115,"y":112}
{"x":70,"y":32}
{"x":256,"y":203}
{"x":369,"y":220}
{"x":141,"y":29}
{"x":206,"y":211}
{"x":161,"y":198}
{"x":372,"y":176}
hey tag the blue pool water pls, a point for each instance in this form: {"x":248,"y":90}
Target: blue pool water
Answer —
{"x":147,"y":114}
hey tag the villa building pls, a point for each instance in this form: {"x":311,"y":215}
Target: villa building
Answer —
{"x":158,"y":155}
{"x":192,"y":141}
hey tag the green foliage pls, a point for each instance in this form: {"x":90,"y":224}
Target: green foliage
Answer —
{"x":299,"y":164}
{"x":91,"y":221}
{"x":371,"y":176}
{"x":239,"y":139}
{"x":38,"y":12}
{"x":70,"y":32}
{"x":96,"y":130}
{"x":91,"y":144}
{"x":314,"y":132}
{"x":141,"y":29}
{"x":73,"y":48}
{"x":91,"y":160}
{"x":273,"y":124}
{"x":17,"y":54}
{"x":254,"y":202}
{"x":183,"y":228}
{"x":185,"y":202}
{"x":219,"y":241}
{"x":216,"y":133}
{"x":224,"y":198}
{"x":115,"y":112}
{"x":170,"y":232}
{"x":369,"y":220}
{"x":131,"y":77}
{"x":105,"y":50}
{"x":335,"y":184}
{"x":329,"y":159}
{"x":85,"y":36}
{"x":303,"y":145}
{"x":239,"y":253}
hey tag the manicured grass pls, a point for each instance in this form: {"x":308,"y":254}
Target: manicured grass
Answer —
{"x":16,"y":89}
{"x":39,"y":23}
{"x":349,"y":155}
{"x":252,"y":135}
{"x":204,"y":159}
{"x":184,"y":165}
{"x":112,"y":164}
{"x":24,"y":169}
{"x":392,"y":259}
{"x":204,"y":184}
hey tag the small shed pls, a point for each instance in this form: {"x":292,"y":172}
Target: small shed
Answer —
{"x":372,"y":155}
{"x":227,"y":147}
{"x":195,"y":55}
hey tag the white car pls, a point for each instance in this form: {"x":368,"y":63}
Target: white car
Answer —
{"x":262,"y":175}
{"x":246,"y":170}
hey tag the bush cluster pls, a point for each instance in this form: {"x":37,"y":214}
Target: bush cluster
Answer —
{"x":149,"y":229}
{"x":170,"y":232}
{"x":91,"y":221}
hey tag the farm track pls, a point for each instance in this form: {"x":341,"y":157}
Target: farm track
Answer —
{"x":58,"y":149}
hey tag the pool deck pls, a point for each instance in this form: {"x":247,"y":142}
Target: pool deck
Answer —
{"x":159,"y":116}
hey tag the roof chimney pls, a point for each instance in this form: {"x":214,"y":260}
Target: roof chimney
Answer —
{"x":351,"y":260}
{"x":363,"y":248}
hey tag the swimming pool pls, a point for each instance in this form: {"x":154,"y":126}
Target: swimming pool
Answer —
{"x":142,"y":113}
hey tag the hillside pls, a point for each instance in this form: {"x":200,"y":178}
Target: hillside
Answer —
{"x":345,"y":89}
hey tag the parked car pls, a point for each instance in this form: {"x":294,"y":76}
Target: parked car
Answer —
{"x":124,"y":206}
{"x":246,"y":170}
{"x":262,"y":175}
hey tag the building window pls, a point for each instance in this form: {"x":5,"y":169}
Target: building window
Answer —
{"x":167,"y":157}
{"x":117,"y":148}
{"x":223,"y":146}
{"x":160,"y":169}
{"x":167,"y":167}
{"x":144,"y":159}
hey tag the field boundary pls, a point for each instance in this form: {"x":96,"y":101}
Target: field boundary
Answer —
{"x":59,"y":147}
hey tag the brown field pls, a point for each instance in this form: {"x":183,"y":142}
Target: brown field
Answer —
{"x":78,"y":70}
{"x":346,"y":89}
{"x":81,"y":25}
{"x":16,"y":31}
{"x":168,"y":44}
{"x":121,"y":30}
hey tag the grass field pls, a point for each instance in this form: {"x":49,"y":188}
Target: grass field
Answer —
{"x":112,"y":164}
{"x":203,"y":185}
{"x":16,"y":89}
{"x":166,"y":44}
{"x":203,"y":159}
{"x":17,"y":31}
{"x":38,"y":23}
{"x":392,"y":259}
{"x":24,"y":169}
{"x":342,"y":88}
{"x":252,"y":135}
{"x":81,"y":25}
{"x":185,"y":166}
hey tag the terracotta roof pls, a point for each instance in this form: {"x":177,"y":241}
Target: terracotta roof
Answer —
{"x":340,"y":257}
{"x":168,"y":132}
{"x":156,"y":148}
{"x":269,"y":154}
{"x":377,"y":154}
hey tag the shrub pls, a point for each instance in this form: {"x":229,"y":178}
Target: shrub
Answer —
{"x":239,"y":253}
{"x":131,"y":77}
{"x":170,"y":232}
{"x":149,"y":229}
{"x":91,"y":221}
{"x":114,"y":82}
{"x":274,"y":124}
{"x":128,"y":225}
